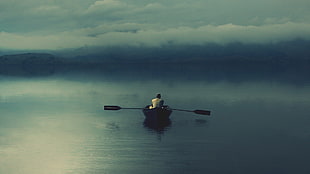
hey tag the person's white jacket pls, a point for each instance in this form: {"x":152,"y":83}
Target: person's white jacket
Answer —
{"x":156,"y":103}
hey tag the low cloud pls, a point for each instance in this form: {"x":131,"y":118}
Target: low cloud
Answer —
{"x":133,"y":34}
{"x":104,"y":5}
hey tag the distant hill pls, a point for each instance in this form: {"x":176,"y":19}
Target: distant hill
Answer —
{"x":28,"y":58}
{"x":285,"y":60}
{"x":28,"y":64}
{"x":284,"y":51}
{"x":290,"y":51}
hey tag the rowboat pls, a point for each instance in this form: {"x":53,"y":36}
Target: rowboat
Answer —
{"x":157,"y":114}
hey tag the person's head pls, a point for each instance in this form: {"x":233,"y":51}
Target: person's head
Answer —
{"x":158,"y":96}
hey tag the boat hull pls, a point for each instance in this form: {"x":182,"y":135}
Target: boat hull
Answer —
{"x":157,"y":114}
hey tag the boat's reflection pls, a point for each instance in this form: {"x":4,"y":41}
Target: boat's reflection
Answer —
{"x":158,"y":126}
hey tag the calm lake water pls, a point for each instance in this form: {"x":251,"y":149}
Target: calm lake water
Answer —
{"x":56,"y":125}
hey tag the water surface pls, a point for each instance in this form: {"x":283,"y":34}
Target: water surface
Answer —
{"x":56,"y":124}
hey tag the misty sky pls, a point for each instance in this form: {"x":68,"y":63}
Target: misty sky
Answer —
{"x":61,"y":24}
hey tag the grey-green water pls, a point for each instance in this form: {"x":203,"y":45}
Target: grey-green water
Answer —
{"x":56,"y":125}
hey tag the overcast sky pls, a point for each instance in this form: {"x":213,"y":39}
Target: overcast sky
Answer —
{"x":61,"y":24}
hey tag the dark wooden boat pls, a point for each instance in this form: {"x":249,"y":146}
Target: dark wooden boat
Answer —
{"x":157,"y":114}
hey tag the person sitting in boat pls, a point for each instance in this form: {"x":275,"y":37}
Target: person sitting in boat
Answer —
{"x":157,"y":102}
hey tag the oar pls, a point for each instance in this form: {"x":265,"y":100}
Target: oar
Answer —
{"x":117,"y":108}
{"x":198,"y":111}
{"x":201,"y":112}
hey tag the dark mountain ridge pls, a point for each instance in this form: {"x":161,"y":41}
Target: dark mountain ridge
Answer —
{"x":296,"y":50}
{"x":236,"y":60}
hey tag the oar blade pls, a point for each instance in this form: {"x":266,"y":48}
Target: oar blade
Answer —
{"x":112,"y":108}
{"x":202,"y":112}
